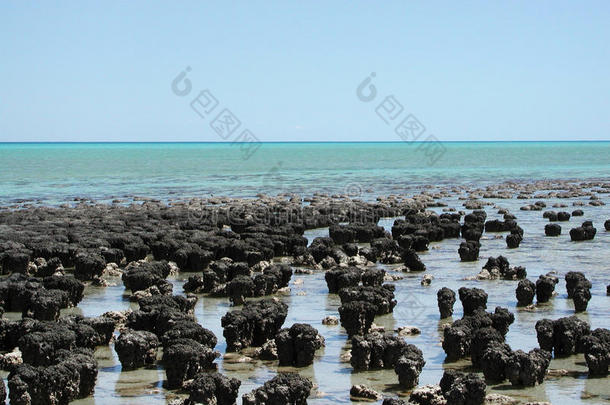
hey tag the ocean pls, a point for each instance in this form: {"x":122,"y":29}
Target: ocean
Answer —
{"x":51,"y":173}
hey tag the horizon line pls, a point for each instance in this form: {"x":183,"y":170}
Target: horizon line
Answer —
{"x":294,"y":142}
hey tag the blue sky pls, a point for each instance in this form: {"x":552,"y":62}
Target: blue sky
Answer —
{"x":288,"y":71}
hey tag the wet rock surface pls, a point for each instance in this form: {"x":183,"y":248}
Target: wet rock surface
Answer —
{"x":563,"y":336}
{"x":472,"y":299}
{"x":72,"y":376}
{"x":545,"y":286}
{"x":459,"y":388}
{"x":136,"y":348}
{"x":212,"y":388}
{"x":253,"y":325}
{"x":296,"y":346}
{"x":184,"y":359}
{"x":285,"y":388}
{"x":526,"y":291}
{"x":445,"y":299}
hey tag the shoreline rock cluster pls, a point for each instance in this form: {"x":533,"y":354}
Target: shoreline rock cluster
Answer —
{"x":230,"y":249}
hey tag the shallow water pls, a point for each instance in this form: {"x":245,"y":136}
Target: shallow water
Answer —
{"x":309,"y":302}
{"x":54,"y":173}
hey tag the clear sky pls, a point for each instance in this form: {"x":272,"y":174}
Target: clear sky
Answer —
{"x":468,"y":70}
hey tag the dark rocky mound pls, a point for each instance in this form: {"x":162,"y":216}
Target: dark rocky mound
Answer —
{"x":170,"y":318}
{"x":502,"y":266}
{"x":527,"y":369}
{"x":459,"y":338}
{"x":552,"y":230}
{"x":88,"y":265}
{"x":376,"y":350}
{"x":472,"y":299}
{"x":579,"y":289}
{"x":526,"y":290}
{"x":463,"y":389}
{"x":469,"y":250}
{"x":269,"y":282}
{"x":357,"y":316}
{"x":71,"y":376}
{"x":341,"y":277}
{"x":216,"y":275}
{"x":445,"y":298}
{"x":596,"y":347}
{"x":514,"y":239}
{"x":140,"y":276}
{"x":419,"y":228}
{"x":136,"y":348}
{"x":256,"y":323}
{"x":550,"y":215}
{"x":545,"y":286}
{"x":584,"y":232}
{"x":41,"y":341}
{"x":184,"y":359}
{"x":40,"y":298}
{"x":499,"y":362}
{"x":296,"y":346}
{"x":284,"y":388}
{"x":562,"y":336}
{"x":393,"y":401}
{"x":474,"y":225}
{"x":412,"y":260}
{"x":409,"y":366}
{"x":355,"y":232}
{"x":381,"y":297}
{"x":212,"y":388}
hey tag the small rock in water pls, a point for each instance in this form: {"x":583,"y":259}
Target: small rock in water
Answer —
{"x":392,"y":277}
{"x":427,"y":279}
{"x":362,"y":391}
{"x":112,"y":270}
{"x":346,"y":357}
{"x":485,"y":274}
{"x":427,"y":395}
{"x":396,"y":401}
{"x":500,"y":399}
{"x":330,"y":320}
{"x":408,"y":331}
{"x":284,"y":290}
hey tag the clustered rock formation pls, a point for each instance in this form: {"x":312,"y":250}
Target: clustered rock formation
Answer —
{"x":567,"y":336}
{"x":229,"y":247}
{"x":376,"y":350}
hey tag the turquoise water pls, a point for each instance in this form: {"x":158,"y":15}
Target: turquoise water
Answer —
{"x":54,"y":172}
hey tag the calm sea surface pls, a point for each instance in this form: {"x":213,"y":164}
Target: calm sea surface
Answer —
{"x":50,"y":173}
